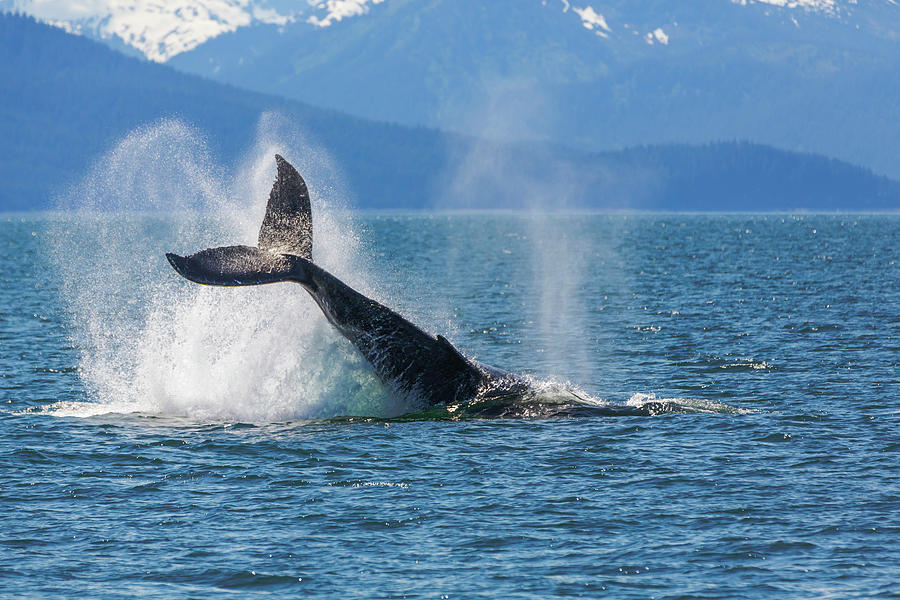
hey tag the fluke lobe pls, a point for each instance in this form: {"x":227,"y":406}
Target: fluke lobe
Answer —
{"x":425,"y":370}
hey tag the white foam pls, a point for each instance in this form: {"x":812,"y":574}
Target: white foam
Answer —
{"x":687,"y":404}
{"x":68,"y":408}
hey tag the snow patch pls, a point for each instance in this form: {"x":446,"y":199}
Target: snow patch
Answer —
{"x":160,"y":29}
{"x":338,"y":10}
{"x":592,"y":20}
{"x":829,"y":7}
{"x":657,"y":35}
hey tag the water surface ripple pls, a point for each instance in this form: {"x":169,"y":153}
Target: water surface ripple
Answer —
{"x":791,"y":320}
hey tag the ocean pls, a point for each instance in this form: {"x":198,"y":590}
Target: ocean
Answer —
{"x":160,"y":439}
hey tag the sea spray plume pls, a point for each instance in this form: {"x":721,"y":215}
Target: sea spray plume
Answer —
{"x":149,"y":347}
{"x":501,"y":169}
{"x":420,"y":369}
{"x":252,"y":355}
{"x":111,"y":215}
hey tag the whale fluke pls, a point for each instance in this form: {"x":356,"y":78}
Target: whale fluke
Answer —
{"x":236,"y":265}
{"x":287,"y":226}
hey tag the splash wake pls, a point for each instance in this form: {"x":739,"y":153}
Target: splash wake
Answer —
{"x":154,"y":344}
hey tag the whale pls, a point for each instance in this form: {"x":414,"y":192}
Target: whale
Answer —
{"x":425,"y":370}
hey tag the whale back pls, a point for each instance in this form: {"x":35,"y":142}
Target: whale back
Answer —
{"x":287,"y":226}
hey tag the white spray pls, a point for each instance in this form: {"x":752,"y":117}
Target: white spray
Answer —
{"x":152,"y":342}
{"x":531,"y":179}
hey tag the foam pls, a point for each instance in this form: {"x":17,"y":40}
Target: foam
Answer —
{"x":688,"y":405}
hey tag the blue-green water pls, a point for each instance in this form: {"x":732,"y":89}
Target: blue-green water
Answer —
{"x":162,"y":440}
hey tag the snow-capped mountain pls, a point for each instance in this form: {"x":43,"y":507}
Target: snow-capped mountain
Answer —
{"x":162,"y":29}
{"x":62,"y":92}
{"x":803,"y":75}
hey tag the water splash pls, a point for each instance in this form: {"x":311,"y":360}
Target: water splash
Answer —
{"x":655,"y":405}
{"x":151,"y":342}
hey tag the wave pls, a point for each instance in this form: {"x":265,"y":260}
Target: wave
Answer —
{"x":551,"y":400}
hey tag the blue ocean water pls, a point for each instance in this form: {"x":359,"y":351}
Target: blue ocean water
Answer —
{"x":144,"y":452}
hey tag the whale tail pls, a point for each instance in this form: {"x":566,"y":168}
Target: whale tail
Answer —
{"x":286,"y":233}
{"x":410,"y":361}
{"x":287,"y":226}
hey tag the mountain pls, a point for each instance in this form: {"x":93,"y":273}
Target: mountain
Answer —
{"x":163,"y":30}
{"x":804,"y":75}
{"x":65,"y":99}
{"x":155,"y":29}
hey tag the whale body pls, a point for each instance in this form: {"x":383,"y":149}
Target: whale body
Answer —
{"x":409,"y":361}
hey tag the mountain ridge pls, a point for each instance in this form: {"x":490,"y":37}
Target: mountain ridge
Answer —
{"x":803,"y":75}
{"x":68,"y":99}
{"x":801,"y":80}
{"x":162,"y":31}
